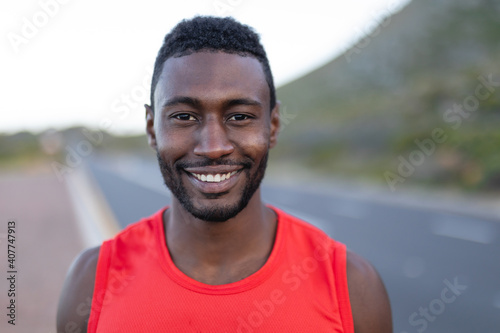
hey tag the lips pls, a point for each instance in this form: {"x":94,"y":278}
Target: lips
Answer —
{"x":214,"y":179}
{"x":211,"y":178}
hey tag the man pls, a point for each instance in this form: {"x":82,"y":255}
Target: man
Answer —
{"x":219,"y":259}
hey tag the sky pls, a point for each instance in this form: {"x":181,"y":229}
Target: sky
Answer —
{"x":73,"y":62}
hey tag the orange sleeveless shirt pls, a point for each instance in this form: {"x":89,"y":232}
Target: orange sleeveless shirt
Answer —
{"x":301,"y":288}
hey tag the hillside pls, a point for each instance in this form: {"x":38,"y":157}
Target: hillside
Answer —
{"x":419,"y":76}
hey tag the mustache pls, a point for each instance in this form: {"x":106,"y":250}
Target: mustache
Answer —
{"x":246,"y":163}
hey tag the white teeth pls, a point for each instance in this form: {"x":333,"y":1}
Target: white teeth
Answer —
{"x":214,"y":178}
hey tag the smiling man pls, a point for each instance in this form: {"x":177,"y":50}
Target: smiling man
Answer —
{"x":219,"y":259}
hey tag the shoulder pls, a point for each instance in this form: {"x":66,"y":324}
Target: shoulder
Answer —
{"x":298,"y":225}
{"x":76,"y":297}
{"x":370,"y":305}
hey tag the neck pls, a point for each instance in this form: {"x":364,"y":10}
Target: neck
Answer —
{"x":220,"y":252}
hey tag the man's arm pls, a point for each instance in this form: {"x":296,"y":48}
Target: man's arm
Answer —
{"x":76,"y":297}
{"x":371,"y":310}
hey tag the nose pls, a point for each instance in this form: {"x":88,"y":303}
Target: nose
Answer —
{"x":212,"y":140}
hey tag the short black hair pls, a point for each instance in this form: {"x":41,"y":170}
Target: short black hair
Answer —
{"x":209,"y":33}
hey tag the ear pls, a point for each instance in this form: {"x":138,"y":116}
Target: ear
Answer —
{"x":275,"y":125}
{"x":150,"y":126}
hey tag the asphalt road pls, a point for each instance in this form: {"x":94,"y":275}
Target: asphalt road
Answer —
{"x":441,"y":270}
{"x":43,"y":243}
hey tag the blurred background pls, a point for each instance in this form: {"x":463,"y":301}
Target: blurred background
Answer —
{"x":389,"y":140}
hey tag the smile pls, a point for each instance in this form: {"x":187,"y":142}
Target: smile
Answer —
{"x":213,"y":178}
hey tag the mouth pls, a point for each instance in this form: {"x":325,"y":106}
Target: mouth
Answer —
{"x":211,"y":178}
{"x":214,"y":180}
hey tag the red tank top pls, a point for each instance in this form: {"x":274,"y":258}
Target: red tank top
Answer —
{"x":301,"y":288}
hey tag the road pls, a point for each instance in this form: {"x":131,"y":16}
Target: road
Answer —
{"x":43,"y":243}
{"x":441,"y":269}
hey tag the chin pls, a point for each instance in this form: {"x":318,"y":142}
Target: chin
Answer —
{"x":213,"y":207}
{"x":216,"y":210}
{"x":215,"y":214}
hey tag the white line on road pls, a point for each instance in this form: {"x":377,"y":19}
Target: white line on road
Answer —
{"x":464,"y":229}
{"x":94,"y":218}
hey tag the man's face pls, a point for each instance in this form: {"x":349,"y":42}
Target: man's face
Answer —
{"x":212,"y":130}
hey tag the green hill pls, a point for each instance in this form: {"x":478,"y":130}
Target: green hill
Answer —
{"x":360,"y":114}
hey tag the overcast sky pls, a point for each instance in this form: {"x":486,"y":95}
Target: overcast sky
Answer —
{"x":76,"y":62}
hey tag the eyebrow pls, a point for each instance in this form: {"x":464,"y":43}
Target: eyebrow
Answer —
{"x":182,"y":100}
{"x":242,"y":101}
{"x":196,"y":103}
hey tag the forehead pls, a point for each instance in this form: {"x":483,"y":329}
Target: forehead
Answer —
{"x":212,"y":76}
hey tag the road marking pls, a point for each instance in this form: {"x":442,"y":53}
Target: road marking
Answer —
{"x":94,"y":217}
{"x":465,"y":229}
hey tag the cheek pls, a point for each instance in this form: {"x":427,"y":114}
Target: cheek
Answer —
{"x":255,"y":144}
{"x":172,"y":145}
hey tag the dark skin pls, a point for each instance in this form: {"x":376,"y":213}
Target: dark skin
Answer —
{"x":226,"y":115}
{"x":207,"y":107}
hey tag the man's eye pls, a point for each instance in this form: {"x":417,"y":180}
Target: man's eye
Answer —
{"x":184,"y":116}
{"x":239,"y":117}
